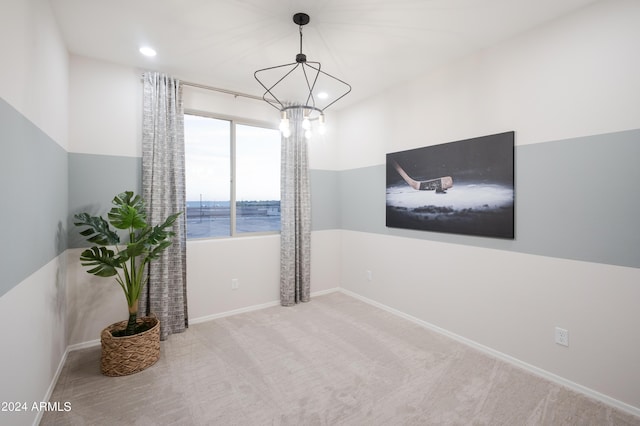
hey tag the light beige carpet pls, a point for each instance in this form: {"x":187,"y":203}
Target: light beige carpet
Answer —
{"x":333,"y":361}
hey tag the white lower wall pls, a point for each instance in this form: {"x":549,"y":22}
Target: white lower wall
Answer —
{"x":212,"y":264}
{"x":34,"y":339}
{"x":510,"y":302}
{"x":326,"y":251}
{"x":93,"y":302}
{"x":507,"y":301}
{"x":255,"y":263}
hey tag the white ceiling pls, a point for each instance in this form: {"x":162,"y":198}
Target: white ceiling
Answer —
{"x":371,"y":44}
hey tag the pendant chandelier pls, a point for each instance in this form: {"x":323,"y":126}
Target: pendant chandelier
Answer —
{"x":303,"y":86}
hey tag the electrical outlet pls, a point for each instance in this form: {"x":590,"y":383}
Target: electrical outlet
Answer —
{"x":369,"y":276}
{"x":234,"y":284}
{"x":562,"y":336}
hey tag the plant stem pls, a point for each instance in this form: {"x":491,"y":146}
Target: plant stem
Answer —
{"x":133,"y":315}
{"x":131,"y":325}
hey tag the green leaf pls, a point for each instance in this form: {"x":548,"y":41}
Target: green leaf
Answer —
{"x":145,"y":244}
{"x":98,"y":231}
{"x":128,"y":212}
{"x":135,"y":249}
{"x":154,"y":254}
{"x":159,"y":233}
{"x":105,"y":261}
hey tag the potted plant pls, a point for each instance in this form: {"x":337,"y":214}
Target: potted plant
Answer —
{"x":133,"y":345}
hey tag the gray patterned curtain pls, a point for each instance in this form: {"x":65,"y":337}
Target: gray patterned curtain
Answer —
{"x":295,"y":216}
{"x":163,"y":188}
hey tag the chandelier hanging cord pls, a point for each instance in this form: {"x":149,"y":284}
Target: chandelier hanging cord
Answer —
{"x":301,"y":55}
{"x":303,"y":19}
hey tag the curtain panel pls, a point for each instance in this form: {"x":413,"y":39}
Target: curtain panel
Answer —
{"x":295,"y":216}
{"x":163,"y":188}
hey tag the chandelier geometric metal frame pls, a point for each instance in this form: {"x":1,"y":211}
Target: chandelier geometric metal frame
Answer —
{"x":311,"y":71}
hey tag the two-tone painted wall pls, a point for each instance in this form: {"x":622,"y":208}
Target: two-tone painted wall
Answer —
{"x":568,"y":90}
{"x":571,"y":92}
{"x":33,"y":204}
{"x":105,"y":158}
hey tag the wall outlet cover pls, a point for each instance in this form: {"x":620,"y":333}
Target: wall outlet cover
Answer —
{"x":562,"y":336}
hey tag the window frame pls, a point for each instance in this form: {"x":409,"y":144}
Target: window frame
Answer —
{"x":233,"y":121}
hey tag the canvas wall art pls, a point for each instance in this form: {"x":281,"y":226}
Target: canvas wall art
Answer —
{"x":463,"y":187}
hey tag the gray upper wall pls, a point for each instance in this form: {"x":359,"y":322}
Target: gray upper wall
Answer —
{"x":575,"y":199}
{"x":325,"y":199}
{"x":93,"y":182}
{"x":33,"y":213}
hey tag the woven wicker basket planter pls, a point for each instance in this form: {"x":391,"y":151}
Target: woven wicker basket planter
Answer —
{"x":126,"y":355}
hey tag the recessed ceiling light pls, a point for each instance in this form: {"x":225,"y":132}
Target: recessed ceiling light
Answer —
{"x":323,"y":95}
{"x":147,"y":51}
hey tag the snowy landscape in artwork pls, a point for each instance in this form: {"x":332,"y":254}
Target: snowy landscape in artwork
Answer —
{"x":464,"y":187}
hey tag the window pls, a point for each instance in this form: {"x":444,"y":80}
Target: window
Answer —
{"x":232,"y":177}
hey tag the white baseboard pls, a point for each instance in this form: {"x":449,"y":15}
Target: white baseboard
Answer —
{"x":84,"y":345}
{"x":504,"y":357}
{"x":232,"y":312}
{"x":52,"y":386}
{"x":252,"y":308}
{"x":323,"y":292}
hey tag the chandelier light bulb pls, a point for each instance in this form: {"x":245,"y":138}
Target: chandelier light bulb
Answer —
{"x":284,"y":125}
{"x":306,"y":124}
{"x":286,"y":133}
{"x":321,"y":127}
{"x":308,"y":134}
{"x":284,"y":121}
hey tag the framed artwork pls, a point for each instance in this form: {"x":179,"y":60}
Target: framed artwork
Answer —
{"x":463,"y":187}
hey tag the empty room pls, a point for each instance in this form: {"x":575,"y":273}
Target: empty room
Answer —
{"x":320,"y":212}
